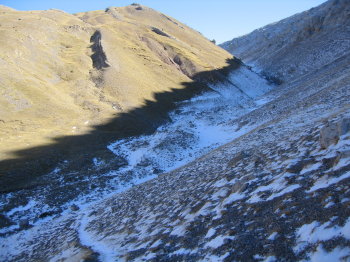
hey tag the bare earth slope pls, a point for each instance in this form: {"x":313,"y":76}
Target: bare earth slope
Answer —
{"x":299,"y":44}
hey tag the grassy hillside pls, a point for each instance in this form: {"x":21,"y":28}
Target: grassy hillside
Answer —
{"x":63,"y":74}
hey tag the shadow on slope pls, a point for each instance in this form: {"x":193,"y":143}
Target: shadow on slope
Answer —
{"x":24,"y":172}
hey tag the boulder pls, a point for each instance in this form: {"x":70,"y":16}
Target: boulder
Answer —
{"x":331,"y":132}
{"x":343,"y":126}
{"x":329,"y":135}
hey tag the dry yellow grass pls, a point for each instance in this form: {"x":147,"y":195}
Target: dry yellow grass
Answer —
{"x":49,"y":88}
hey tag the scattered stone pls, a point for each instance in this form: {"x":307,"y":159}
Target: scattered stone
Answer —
{"x":238,"y":157}
{"x":329,"y":135}
{"x":74,"y":207}
{"x":46,"y":214}
{"x":23,"y":223}
{"x":4,"y":221}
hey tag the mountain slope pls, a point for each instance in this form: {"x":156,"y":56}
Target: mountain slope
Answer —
{"x":299,"y":44}
{"x":48,"y":74}
{"x":278,"y":192}
{"x":62,"y":75}
{"x":273,"y":184}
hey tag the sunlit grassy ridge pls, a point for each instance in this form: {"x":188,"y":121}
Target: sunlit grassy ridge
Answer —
{"x":50,"y":88}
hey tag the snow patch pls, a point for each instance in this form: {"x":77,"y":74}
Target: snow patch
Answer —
{"x":273,"y":236}
{"x":211,"y":232}
{"x":88,"y":239}
{"x":337,"y":254}
{"x":232,"y":198}
{"x":26,"y":207}
{"x":315,"y":232}
{"x":218,"y":241}
{"x":326,"y":181}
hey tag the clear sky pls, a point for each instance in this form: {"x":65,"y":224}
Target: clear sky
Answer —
{"x":216,"y":19}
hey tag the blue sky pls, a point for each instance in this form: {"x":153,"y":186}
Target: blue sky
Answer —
{"x":220,"y":20}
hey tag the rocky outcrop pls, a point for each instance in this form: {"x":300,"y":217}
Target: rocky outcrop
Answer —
{"x":159,"y":32}
{"x":99,"y":59}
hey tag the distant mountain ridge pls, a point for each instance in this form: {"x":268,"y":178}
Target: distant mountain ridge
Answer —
{"x":299,"y":44}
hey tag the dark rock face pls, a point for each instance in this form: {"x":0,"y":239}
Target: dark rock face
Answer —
{"x":99,"y":59}
{"x":159,"y":32}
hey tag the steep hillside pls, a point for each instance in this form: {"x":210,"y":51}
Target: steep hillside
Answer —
{"x":299,"y":44}
{"x":62,"y":75}
{"x":278,"y":192}
{"x":243,"y":171}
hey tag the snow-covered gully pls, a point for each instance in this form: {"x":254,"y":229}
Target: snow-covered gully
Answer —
{"x":197,"y":126}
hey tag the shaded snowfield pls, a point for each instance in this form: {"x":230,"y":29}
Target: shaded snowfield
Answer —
{"x":197,"y":126}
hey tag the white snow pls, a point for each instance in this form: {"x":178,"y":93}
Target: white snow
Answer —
{"x":327,"y":181}
{"x":310,"y":168}
{"x":315,"y":232}
{"x":337,"y":254}
{"x":273,"y":236}
{"x":257,"y":256}
{"x":232,"y":198}
{"x":330,"y":204}
{"x":270,"y":259}
{"x":157,"y":243}
{"x":345,"y":200}
{"x":220,"y":183}
{"x":70,"y":254}
{"x":210,"y":258}
{"x":218,"y":241}
{"x":28,"y":206}
{"x":210,"y":233}
{"x":278,"y":187}
{"x":179,"y":230}
{"x":286,"y":190}
{"x":150,"y":256}
{"x":220,"y":194}
{"x":182,"y":251}
{"x":106,"y":252}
